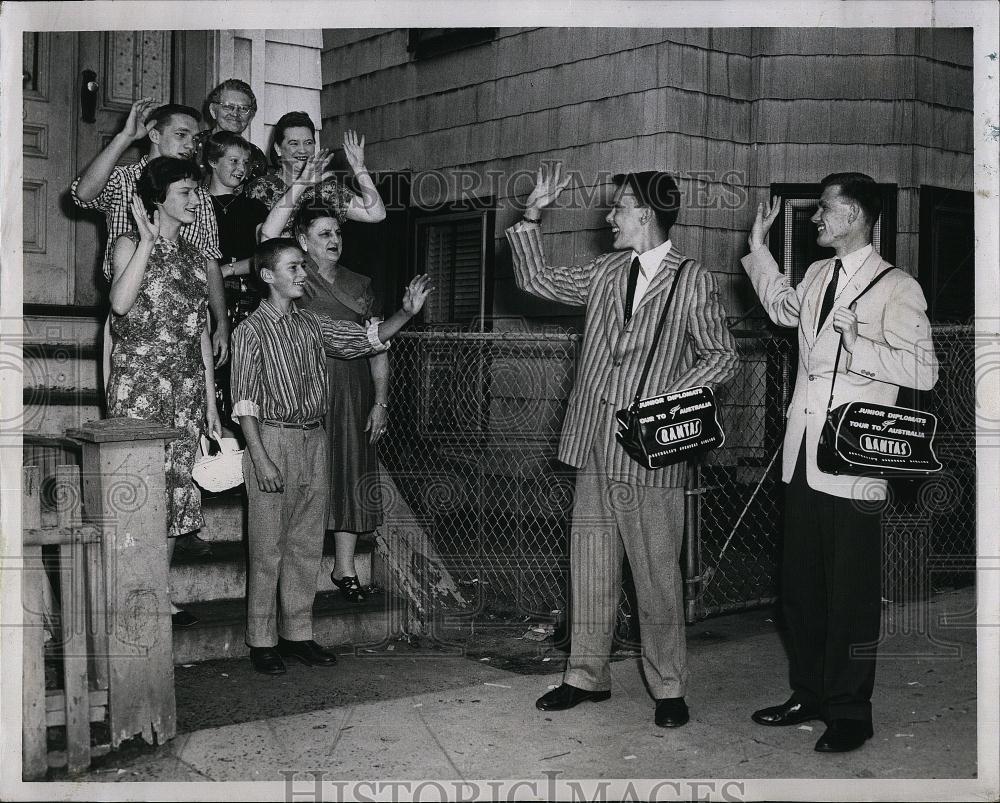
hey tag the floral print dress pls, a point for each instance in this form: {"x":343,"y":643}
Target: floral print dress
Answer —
{"x":269,"y":188}
{"x":157,"y":372}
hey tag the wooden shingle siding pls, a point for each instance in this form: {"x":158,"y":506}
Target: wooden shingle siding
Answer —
{"x":293,"y":66}
{"x":940,"y":44}
{"x":730,"y":111}
{"x":515,"y":91}
{"x":282,"y":67}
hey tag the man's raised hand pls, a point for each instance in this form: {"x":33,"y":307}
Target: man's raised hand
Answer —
{"x":547,"y":189}
{"x":136,"y":127}
{"x":763,"y":221}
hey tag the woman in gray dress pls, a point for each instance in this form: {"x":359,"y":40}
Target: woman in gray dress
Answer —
{"x":359,"y":395}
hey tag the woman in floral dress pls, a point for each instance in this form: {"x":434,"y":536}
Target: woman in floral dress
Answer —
{"x":161,"y":365}
{"x":294,"y":146}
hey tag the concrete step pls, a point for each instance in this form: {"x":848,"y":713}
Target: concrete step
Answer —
{"x":56,"y":364}
{"x":225,"y":516}
{"x":223,"y":575}
{"x":62,"y":323}
{"x":221,"y":630}
{"x":50,"y":411}
{"x":60,"y":368}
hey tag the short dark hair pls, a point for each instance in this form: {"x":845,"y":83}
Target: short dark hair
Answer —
{"x":860,"y":189}
{"x":216,"y":145}
{"x":159,"y":174}
{"x":655,"y":190}
{"x":266,"y":256}
{"x":231,"y":85}
{"x":286,"y":121}
{"x":162,"y":115}
{"x":307,"y":215}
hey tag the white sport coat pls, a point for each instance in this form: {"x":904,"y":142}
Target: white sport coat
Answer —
{"x":893,"y":349}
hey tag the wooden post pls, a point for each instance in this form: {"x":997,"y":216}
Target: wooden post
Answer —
{"x":124,"y":494}
{"x":72,"y":618}
{"x":33,"y":744}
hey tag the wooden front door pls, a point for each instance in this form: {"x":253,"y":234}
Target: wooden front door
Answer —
{"x":63,"y":245}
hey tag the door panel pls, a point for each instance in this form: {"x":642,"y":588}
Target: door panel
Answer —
{"x":129,"y":65}
{"x":63,"y":245}
{"x":49,"y":78}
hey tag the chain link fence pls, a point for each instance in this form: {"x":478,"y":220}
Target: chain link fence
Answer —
{"x":471,"y":449}
{"x":928,"y":524}
{"x":475,"y":422}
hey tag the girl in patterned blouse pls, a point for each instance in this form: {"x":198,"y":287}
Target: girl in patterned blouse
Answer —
{"x":288,"y":184}
{"x":161,"y":365}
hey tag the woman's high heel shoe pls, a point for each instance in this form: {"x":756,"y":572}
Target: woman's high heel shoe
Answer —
{"x":349,"y":587}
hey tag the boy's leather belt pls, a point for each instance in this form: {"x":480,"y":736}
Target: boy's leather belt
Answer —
{"x":287,"y":425}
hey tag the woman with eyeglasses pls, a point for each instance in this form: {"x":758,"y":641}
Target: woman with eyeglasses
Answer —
{"x":289,"y":186}
{"x":230,"y":107}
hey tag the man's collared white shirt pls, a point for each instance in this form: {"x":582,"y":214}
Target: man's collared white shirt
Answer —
{"x":649,"y":266}
{"x":849,"y":265}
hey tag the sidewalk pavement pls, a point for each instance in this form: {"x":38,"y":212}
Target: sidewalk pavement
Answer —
{"x":474,"y":721}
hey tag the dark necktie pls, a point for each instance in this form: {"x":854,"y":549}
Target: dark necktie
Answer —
{"x":829,"y":295}
{"x":633,"y":277}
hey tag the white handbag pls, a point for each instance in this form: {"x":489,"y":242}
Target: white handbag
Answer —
{"x":222,"y":471}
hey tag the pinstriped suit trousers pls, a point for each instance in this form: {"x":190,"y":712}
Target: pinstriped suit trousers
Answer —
{"x":612,"y":519}
{"x":285,"y":534}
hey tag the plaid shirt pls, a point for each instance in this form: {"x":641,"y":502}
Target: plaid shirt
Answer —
{"x":115,"y":202}
{"x":279,"y":368}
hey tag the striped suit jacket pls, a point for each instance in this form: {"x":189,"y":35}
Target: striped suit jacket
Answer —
{"x":695,"y":348}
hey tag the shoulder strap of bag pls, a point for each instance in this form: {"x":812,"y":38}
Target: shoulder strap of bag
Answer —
{"x":658,"y":332}
{"x":840,"y":344}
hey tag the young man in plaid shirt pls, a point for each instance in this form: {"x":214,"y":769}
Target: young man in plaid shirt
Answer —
{"x":107,"y":186}
{"x":280,"y":392}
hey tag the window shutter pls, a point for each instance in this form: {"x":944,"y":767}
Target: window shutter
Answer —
{"x":453,"y":257}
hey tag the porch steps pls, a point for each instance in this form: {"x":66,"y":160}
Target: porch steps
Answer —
{"x":220,"y":633}
{"x":214,"y":590}
{"x":62,"y":390}
{"x":61,"y":359}
{"x":223,"y":575}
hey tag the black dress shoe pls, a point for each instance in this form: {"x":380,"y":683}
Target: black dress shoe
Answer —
{"x":671,"y":712}
{"x":844,"y":735}
{"x":309,"y":652}
{"x":267,"y":661}
{"x":789,"y":713}
{"x":566,"y":696}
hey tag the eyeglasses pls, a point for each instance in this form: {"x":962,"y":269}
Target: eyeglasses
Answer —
{"x":235,"y":108}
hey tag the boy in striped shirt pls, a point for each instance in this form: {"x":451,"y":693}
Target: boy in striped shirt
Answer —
{"x":280,"y":397}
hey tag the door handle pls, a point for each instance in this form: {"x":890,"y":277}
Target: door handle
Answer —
{"x":88,"y":96}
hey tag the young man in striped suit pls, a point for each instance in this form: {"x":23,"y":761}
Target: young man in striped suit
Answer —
{"x":620,"y":507}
